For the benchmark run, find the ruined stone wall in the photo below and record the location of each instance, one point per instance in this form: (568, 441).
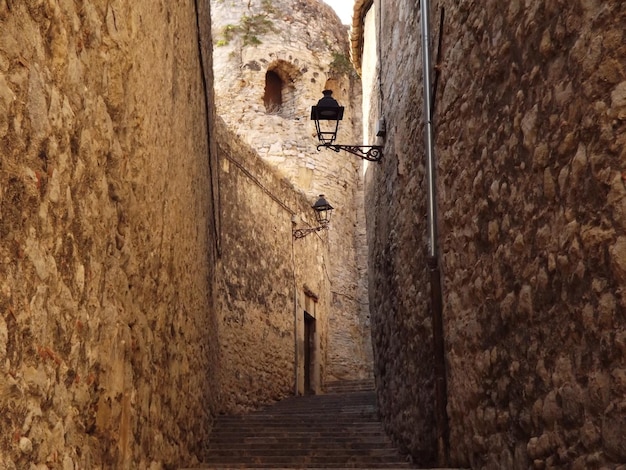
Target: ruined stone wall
(305, 44)
(107, 329)
(530, 126)
(264, 275)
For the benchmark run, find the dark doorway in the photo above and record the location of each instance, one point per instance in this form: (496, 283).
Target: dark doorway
(273, 98)
(309, 350)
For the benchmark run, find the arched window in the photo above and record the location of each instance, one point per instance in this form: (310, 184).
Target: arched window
(273, 98)
(281, 94)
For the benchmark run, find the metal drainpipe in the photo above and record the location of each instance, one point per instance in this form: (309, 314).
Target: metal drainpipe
(295, 315)
(433, 260)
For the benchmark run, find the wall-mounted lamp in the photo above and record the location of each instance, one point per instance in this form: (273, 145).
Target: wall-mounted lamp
(323, 211)
(327, 114)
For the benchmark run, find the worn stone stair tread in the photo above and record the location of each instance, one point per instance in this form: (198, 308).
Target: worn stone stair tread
(353, 409)
(295, 430)
(321, 461)
(361, 384)
(291, 467)
(338, 439)
(302, 426)
(286, 433)
(338, 418)
(295, 449)
(268, 437)
(320, 457)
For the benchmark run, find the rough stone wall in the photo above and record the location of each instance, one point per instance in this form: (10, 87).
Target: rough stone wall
(530, 126)
(107, 331)
(396, 229)
(263, 275)
(306, 45)
(534, 232)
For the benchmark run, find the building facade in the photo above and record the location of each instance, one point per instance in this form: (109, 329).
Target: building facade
(272, 60)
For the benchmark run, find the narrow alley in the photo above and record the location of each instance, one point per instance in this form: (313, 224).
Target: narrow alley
(174, 292)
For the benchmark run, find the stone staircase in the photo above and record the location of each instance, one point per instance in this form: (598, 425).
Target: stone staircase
(337, 430)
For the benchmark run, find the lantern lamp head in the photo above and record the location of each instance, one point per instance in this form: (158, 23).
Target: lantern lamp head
(323, 210)
(326, 114)
(327, 109)
(322, 215)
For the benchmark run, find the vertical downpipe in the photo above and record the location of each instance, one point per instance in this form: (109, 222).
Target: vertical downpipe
(433, 260)
(295, 316)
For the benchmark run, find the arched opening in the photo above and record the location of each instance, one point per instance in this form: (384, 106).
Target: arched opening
(273, 98)
(280, 95)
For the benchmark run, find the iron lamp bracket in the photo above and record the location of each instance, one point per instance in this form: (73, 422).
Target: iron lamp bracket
(372, 153)
(303, 232)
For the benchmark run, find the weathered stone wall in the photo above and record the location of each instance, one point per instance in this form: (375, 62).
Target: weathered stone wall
(396, 229)
(530, 126)
(107, 333)
(263, 277)
(534, 229)
(305, 44)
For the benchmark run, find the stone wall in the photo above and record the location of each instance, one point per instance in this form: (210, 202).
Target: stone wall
(530, 126)
(264, 276)
(108, 353)
(304, 43)
(396, 229)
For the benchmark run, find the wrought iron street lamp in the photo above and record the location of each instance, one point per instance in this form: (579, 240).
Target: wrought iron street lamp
(327, 114)
(323, 211)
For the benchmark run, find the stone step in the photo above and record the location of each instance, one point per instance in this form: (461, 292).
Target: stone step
(370, 449)
(342, 408)
(291, 415)
(300, 436)
(349, 386)
(336, 400)
(300, 423)
(306, 425)
(309, 466)
(315, 436)
(337, 428)
(269, 441)
(303, 453)
(290, 461)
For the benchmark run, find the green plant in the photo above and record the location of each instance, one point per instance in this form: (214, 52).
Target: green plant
(249, 27)
(341, 64)
(255, 25)
(268, 7)
(227, 33)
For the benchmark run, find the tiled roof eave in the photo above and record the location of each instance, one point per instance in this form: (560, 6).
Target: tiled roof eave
(361, 7)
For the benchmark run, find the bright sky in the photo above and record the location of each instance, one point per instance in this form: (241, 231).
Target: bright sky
(343, 9)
